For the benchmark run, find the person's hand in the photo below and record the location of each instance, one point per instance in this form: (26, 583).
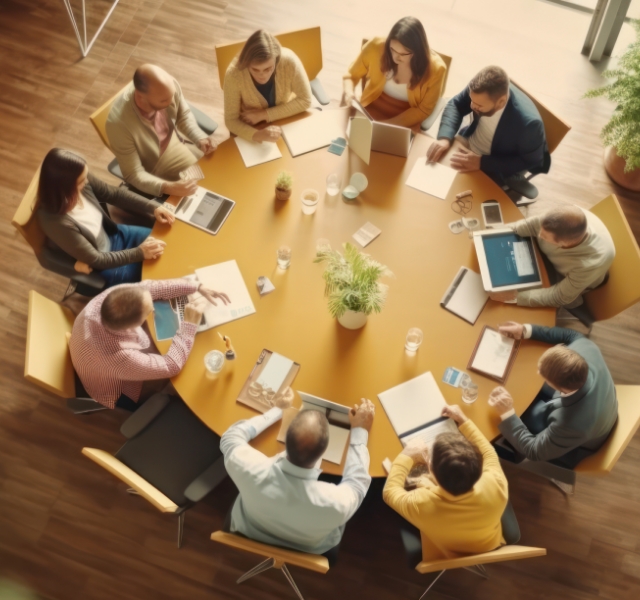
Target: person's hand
(512, 329)
(361, 415)
(82, 267)
(268, 134)
(152, 248)
(347, 98)
(417, 450)
(454, 412)
(284, 401)
(437, 150)
(207, 145)
(253, 117)
(501, 400)
(211, 295)
(508, 296)
(465, 161)
(163, 215)
(180, 188)
(193, 312)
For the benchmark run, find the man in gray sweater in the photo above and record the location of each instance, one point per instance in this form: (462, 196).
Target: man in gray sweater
(575, 410)
(578, 246)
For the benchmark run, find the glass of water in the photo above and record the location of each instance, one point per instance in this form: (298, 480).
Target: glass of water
(323, 245)
(414, 339)
(469, 391)
(334, 184)
(309, 201)
(213, 363)
(284, 257)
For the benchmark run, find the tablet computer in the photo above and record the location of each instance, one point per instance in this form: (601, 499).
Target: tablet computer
(204, 209)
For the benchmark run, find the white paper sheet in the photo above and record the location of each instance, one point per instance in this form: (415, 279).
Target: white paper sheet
(313, 132)
(493, 353)
(431, 178)
(366, 234)
(275, 372)
(338, 440)
(428, 435)
(468, 298)
(256, 153)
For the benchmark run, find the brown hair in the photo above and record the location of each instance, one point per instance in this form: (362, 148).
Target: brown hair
(456, 463)
(58, 185)
(563, 368)
(260, 47)
(566, 223)
(123, 308)
(411, 34)
(492, 81)
(307, 438)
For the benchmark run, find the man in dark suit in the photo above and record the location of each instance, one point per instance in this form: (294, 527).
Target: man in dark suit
(576, 409)
(505, 137)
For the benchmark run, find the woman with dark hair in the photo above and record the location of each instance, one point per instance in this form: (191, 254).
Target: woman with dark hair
(264, 83)
(404, 77)
(74, 222)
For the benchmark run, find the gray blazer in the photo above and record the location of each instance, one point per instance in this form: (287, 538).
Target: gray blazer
(577, 425)
(64, 234)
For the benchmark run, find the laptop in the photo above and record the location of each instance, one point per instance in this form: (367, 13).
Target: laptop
(507, 261)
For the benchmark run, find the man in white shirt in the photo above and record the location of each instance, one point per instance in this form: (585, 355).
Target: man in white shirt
(281, 502)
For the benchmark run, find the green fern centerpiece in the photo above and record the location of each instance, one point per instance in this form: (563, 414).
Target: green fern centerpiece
(623, 129)
(351, 281)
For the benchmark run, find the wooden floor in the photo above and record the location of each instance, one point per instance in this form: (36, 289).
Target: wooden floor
(67, 529)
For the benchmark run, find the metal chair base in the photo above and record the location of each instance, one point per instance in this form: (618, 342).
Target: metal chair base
(83, 406)
(270, 563)
(475, 569)
(563, 479)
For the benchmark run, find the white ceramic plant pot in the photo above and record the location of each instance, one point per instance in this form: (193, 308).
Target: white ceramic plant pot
(353, 320)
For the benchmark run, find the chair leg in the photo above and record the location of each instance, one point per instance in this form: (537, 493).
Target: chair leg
(70, 289)
(132, 492)
(291, 581)
(82, 406)
(180, 528)
(564, 479)
(263, 566)
(432, 584)
(478, 570)
(568, 489)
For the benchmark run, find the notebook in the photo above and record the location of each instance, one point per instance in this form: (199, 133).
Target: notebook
(257, 153)
(414, 409)
(494, 354)
(313, 132)
(465, 297)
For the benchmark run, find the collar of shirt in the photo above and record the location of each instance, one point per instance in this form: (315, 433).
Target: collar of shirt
(298, 472)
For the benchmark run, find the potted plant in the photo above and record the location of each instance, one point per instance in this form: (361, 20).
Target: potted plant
(621, 134)
(284, 181)
(351, 285)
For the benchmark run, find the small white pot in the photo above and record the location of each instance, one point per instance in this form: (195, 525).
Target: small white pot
(353, 320)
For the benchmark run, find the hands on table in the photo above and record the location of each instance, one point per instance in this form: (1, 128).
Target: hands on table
(361, 415)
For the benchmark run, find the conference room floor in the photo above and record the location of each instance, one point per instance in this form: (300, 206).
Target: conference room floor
(68, 529)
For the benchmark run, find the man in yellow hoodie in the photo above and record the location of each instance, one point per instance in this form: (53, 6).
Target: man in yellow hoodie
(459, 506)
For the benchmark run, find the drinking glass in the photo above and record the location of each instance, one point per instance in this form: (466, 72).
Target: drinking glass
(309, 201)
(414, 339)
(469, 391)
(334, 183)
(284, 257)
(323, 245)
(213, 363)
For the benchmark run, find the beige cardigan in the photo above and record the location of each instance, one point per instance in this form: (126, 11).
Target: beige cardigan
(293, 94)
(136, 144)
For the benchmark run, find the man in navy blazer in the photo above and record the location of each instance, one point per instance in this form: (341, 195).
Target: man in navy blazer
(505, 137)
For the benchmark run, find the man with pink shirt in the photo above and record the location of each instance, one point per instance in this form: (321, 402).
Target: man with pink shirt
(111, 349)
(154, 134)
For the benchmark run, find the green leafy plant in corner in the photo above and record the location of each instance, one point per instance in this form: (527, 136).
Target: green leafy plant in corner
(623, 129)
(284, 181)
(352, 281)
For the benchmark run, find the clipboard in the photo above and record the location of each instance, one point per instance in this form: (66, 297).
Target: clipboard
(488, 352)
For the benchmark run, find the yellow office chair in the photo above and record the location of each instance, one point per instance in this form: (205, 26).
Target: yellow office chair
(474, 562)
(25, 221)
(306, 43)
(47, 360)
(276, 558)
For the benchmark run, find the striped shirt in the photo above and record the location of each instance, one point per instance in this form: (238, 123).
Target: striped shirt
(111, 363)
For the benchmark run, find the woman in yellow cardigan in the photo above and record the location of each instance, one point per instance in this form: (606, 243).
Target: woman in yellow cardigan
(265, 82)
(404, 77)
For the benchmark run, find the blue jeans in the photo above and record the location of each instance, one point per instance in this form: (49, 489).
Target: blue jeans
(127, 237)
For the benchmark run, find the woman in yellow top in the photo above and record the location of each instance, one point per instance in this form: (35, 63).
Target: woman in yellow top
(404, 78)
(265, 82)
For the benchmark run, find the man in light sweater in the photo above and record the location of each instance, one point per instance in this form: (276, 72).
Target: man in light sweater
(578, 246)
(146, 128)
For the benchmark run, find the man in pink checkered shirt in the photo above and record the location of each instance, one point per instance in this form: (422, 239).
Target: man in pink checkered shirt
(114, 354)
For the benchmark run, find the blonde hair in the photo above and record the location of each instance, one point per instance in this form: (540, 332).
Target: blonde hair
(259, 48)
(563, 368)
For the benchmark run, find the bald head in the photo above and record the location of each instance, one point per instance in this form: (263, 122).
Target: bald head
(567, 224)
(307, 438)
(154, 86)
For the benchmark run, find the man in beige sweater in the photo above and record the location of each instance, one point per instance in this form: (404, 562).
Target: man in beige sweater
(580, 248)
(146, 128)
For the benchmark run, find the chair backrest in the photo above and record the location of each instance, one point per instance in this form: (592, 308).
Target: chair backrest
(554, 127)
(603, 461)
(132, 479)
(47, 359)
(23, 219)
(623, 288)
(501, 554)
(312, 562)
(100, 116)
(306, 43)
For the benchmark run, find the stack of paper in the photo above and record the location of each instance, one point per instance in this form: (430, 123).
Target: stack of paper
(431, 178)
(256, 153)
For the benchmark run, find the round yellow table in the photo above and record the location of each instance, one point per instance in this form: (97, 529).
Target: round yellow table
(339, 364)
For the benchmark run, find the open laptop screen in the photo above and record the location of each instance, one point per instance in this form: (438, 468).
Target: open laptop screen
(511, 259)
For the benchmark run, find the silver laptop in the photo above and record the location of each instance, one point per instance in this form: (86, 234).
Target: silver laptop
(387, 138)
(336, 414)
